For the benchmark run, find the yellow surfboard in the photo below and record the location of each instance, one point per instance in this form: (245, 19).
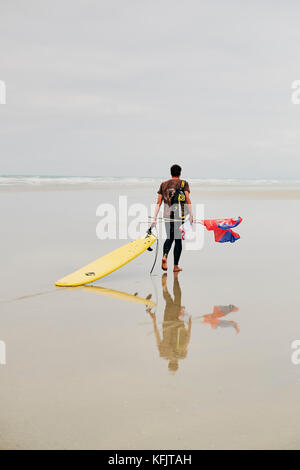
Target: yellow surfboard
(116, 294)
(107, 263)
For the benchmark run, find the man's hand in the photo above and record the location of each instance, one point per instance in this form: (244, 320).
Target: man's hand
(189, 206)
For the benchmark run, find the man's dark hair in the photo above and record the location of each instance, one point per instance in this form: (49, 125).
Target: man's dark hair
(175, 170)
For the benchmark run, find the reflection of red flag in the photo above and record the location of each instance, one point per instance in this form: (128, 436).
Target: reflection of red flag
(222, 229)
(219, 311)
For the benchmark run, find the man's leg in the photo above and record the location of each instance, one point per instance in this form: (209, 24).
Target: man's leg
(168, 243)
(177, 248)
(177, 253)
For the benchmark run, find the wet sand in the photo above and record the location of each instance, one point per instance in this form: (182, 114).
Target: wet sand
(86, 370)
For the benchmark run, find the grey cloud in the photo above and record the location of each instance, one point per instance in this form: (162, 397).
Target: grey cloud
(97, 87)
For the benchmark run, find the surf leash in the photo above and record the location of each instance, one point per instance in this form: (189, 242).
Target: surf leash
(149, 232)
(155, 256)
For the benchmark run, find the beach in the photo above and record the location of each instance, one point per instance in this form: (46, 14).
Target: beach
(85, 368)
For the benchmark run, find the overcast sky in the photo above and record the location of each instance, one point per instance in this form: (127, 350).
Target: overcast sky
(128, 87)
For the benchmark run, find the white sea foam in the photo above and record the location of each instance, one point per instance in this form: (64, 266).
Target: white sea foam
(98, 181)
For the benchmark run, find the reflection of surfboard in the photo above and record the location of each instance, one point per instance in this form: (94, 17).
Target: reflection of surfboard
(121, 295)
(107, 263)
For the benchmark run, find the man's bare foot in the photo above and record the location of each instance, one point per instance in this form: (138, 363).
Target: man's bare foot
(164, 264)
(176, 268)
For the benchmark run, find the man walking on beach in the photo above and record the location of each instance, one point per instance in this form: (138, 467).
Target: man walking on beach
(176, 194)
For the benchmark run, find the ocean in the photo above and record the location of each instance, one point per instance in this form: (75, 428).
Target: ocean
(92, 182)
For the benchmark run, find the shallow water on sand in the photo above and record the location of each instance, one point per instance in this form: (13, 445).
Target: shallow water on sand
(87, 370)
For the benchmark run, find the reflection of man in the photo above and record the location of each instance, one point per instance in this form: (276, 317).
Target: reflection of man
(214, 319)
(174, 343)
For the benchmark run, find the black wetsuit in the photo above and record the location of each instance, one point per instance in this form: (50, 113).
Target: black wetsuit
(173, 234)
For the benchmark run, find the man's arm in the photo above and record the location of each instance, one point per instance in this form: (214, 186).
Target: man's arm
(189, 205)
(157, 207)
